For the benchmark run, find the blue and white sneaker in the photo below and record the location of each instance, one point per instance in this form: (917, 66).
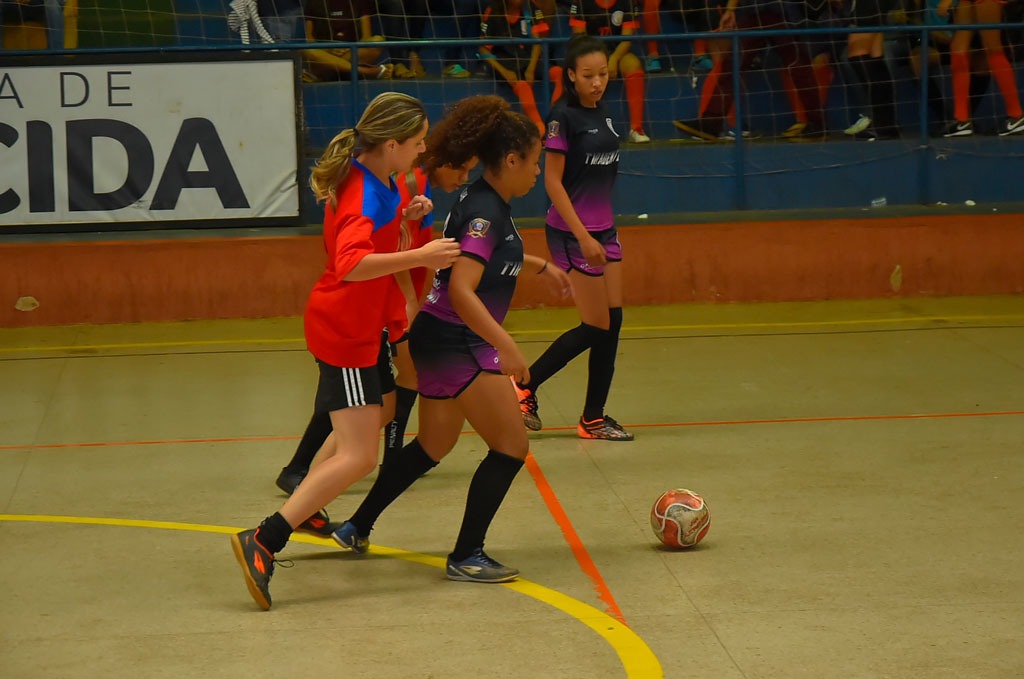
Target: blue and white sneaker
(347, 536)
(652, 64)
(479, 567)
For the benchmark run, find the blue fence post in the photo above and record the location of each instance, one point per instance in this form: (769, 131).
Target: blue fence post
(738, 147)
(924, 160)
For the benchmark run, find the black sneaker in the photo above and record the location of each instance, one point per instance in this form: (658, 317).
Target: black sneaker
(865, 135)
(958, 129)
(1012, 126)
(319, 525)
(289, 479)
(257, 565)
(604, 428)
(730, 134)
(701, 128)
(478, 567)
(528, 406)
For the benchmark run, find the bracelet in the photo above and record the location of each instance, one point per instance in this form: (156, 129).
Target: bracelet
(543, 268)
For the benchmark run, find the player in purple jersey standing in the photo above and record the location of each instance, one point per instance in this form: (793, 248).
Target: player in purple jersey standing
(461, 351)
(580, 167)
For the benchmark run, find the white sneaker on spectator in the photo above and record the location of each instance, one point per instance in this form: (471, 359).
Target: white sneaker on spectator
(638, 137)
(862, 123)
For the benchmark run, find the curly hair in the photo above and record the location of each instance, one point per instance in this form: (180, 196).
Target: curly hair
(482, 126)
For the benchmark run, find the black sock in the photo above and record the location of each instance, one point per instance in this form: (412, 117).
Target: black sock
(394, 432)
(317, 431)
(571, 344)
(274, 532)
(936, 102)
(978, 90)
(395, 476)
(602, 367)
(880, 93)
(487, 490)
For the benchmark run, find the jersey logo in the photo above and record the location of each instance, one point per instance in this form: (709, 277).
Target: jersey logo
(553, 129)
(478, 227)
(608, 121)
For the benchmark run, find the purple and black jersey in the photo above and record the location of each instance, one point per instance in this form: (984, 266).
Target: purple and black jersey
(481, 223)
(590, 144)
(603, 17)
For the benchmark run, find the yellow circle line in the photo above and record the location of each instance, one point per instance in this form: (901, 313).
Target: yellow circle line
(636, 657)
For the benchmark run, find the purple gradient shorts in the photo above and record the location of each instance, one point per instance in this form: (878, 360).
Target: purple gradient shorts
(448, 357)
(567, 255)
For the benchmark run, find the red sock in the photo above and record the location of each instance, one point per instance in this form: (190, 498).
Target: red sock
(824, 74)
(635, 99)
(556, 77)
(794, 99)
(710, 83)
(960, 65)
(652, 24)
(700, 47)
(1005, 78)
(524, 91)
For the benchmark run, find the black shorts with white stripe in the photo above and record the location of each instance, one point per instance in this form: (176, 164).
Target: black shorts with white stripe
(341, 388)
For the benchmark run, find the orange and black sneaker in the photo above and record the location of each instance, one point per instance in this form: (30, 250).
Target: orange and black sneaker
(319, 525)
(257, 565)
(604, 428)
(528, 405)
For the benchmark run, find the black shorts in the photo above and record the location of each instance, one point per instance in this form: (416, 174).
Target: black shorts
(447, 357)
(341, 388)
(871, 12)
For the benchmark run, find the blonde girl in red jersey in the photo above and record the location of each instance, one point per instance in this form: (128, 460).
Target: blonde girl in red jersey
(348, 307)
(966, 12)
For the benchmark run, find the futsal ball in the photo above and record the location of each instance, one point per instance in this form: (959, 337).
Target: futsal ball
(680, 518)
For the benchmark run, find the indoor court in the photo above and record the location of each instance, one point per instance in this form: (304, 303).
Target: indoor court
(861, 460)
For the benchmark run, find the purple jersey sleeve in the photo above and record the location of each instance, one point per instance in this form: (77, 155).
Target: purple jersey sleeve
(557, 138)
(479, 240)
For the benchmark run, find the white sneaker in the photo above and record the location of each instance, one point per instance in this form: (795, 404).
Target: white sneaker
(638, 137)
(863, 122)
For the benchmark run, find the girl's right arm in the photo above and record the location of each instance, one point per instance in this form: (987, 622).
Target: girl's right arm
(554, 170)
(437, 254)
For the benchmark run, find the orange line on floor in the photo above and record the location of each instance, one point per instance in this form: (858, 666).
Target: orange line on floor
(632, 425)
(586, 563)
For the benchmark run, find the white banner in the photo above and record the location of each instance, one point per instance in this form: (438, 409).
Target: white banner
(148, 142)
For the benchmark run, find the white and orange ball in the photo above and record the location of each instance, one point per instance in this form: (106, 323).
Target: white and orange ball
(680, 518)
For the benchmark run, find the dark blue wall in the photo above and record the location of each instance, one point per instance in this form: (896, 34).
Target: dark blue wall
(673, 175)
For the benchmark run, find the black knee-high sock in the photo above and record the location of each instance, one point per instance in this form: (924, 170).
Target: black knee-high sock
(274, 532)
(394, 433)
(317, 431)
(487, 490)
(880, 92)
(936, 102)
(396, 475)
(602, 367)
(571, 344)
(875, 75)
(978, 90)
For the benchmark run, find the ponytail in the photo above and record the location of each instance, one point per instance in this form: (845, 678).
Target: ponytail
(333, 167)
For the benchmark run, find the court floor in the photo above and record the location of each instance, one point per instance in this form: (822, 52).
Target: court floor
(863, 462)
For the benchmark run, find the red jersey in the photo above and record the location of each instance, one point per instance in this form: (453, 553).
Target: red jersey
(344, 319)
(421, 230)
